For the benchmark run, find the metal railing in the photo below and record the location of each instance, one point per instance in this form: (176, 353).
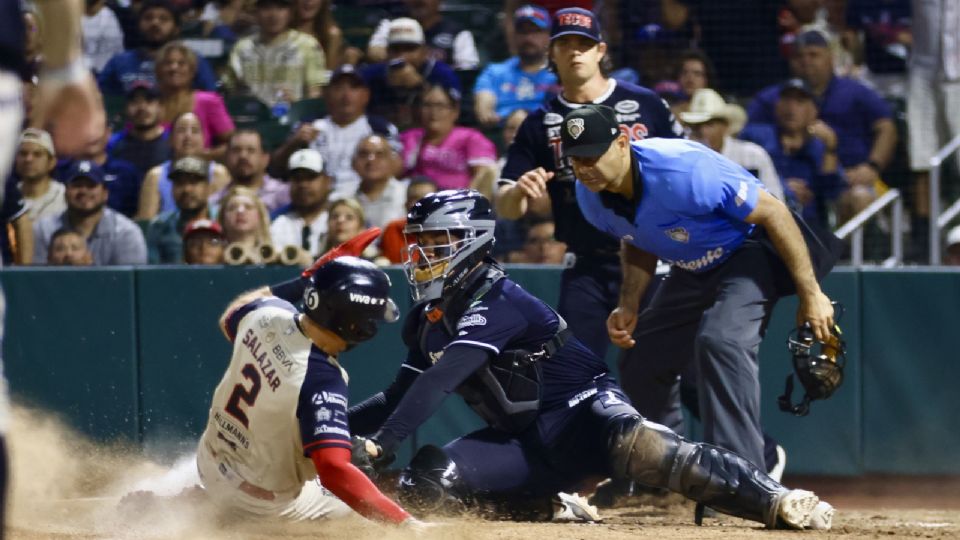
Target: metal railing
(937, 220)
(854, 228)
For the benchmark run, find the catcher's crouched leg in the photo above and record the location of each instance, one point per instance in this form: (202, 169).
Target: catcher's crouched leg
(652, 454)
(432, 483)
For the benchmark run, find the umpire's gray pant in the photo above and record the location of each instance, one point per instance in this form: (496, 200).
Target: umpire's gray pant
(716, 319)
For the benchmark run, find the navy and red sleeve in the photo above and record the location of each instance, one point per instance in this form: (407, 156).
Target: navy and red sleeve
(322, 407)
(351, 486)
(237, 315)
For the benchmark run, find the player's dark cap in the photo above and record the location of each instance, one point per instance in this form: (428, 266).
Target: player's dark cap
(532, 14)
(348, 72)
(190, 167)
(588, 131)
(575, 21)
(144, 88)
(797, 87)
(85, 169)
(812, 38)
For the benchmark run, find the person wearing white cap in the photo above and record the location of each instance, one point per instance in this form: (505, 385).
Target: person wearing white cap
(446, 39)
(305, 223)
(713, 122)
(33, 165)
(952, 251)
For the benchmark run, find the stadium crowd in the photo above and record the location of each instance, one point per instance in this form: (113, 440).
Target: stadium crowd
(265, 131)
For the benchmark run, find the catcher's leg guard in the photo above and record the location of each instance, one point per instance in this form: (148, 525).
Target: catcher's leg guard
(432, 482)
(652, 454)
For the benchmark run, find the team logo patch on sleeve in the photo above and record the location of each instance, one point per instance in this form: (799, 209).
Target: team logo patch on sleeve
(742, 193)
(575, 127)
(678, 234)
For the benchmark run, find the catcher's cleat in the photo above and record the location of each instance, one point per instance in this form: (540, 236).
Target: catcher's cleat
(796, 508)
(574, 507)
(822, 517)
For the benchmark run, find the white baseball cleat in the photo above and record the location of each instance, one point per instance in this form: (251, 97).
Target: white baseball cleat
(796, 508)
(821, 518)
(573, 507)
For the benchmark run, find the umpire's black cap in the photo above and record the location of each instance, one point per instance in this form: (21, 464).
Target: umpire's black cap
(588, 131)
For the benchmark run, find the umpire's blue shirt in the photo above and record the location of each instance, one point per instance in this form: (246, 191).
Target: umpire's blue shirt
(692, 207)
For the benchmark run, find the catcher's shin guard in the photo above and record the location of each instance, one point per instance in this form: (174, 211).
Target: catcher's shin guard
(652, 454)
(432, 483)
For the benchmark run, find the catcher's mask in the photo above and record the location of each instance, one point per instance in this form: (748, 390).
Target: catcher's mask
(818, 365)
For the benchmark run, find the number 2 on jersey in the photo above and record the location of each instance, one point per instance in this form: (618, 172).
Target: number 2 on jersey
(240, 393)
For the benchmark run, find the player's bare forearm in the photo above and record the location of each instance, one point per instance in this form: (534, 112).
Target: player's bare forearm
(774, 216)
(511, 202)
(61, 33)
(638, 269)
(240, 301)
(884, 142)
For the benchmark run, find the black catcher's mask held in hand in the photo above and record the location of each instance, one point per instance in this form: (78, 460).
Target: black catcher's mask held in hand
(818, 365)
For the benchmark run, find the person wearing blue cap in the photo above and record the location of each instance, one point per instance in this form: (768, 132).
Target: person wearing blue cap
(112, 238)
(523, 81)
(535, 169)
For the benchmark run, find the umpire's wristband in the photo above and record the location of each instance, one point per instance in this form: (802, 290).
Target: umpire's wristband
(292, 290)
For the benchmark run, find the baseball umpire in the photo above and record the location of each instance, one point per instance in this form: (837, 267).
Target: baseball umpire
(590, 284)
(733, 249)
(555, 415)
(278, 420)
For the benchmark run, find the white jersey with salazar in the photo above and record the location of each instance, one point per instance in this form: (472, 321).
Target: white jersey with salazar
(254, 440)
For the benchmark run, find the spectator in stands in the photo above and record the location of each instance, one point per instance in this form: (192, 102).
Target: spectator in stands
(176, 65)
(144, 142)
(315, 18)
(879, 36)
(540, 245)
(33, 165)
(713, 122)
(158, 24)
(523, 81)
(278, 64)
(346, 220)
(381, 195)
(102, 36)
(336, 135)
(804, 151)
(861, 118)
(123, 179)
(933, 102)
(952, 251)
(226, 20)
(447, 41)
(68, 248)
(34, 40)
(186, 139)
(396, 83)
(694, 71)
(304, 224)
(191, 189)
(203, 242)
(112, 238)
(455, 157)
(244, 218)
(393, 243)
(247, 162)
(15, 248)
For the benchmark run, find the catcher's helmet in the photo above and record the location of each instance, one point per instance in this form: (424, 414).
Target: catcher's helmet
(467, 219)
(818, 364)
(349, 296)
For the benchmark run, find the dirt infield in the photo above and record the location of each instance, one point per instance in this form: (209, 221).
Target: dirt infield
(64, 488)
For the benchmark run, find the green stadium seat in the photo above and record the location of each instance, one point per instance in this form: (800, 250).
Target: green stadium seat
(272, 132)
(357, 23)
(115, 107)
(306, 110)
(247, 110)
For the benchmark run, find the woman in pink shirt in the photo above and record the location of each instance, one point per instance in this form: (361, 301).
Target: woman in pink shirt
(176, 66)
(454, 157)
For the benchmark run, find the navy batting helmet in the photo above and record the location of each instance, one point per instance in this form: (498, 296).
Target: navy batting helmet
(467, 219)
(349, 296)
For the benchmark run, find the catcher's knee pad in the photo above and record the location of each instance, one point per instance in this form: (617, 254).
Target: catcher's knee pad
(725, 482)
(641, 450)
(432, 482)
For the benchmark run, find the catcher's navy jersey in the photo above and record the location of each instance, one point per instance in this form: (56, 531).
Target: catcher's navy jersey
(505, 318)
(641, 114)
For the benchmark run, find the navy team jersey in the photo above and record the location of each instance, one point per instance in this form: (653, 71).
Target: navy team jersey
(692, 205)
(322, 406)
(12, 34)
(508, 317)
(641, 113)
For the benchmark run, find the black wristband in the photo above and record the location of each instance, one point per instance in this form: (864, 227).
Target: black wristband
(291, 291)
